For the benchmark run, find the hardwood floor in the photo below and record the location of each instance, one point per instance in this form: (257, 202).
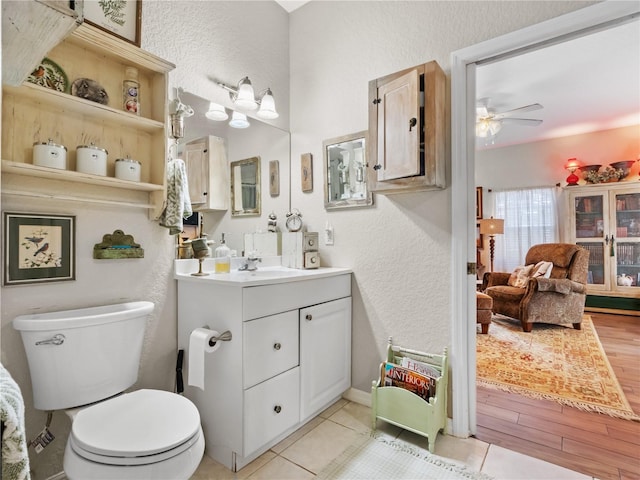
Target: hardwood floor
(594, 444)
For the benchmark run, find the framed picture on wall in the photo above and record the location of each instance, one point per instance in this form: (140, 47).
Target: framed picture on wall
(306, 171)
(121, 19)
(274, 178)
(38, 248)
(478, 203)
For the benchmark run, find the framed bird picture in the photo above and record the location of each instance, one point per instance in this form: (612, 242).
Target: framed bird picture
(38, 248)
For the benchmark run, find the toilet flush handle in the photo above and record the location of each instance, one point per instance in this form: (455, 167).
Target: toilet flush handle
(57, 339)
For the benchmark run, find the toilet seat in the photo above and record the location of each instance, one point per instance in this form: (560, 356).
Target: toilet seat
(138, 428)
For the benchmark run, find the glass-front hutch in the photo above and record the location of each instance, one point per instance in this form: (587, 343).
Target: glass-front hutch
(605, 219)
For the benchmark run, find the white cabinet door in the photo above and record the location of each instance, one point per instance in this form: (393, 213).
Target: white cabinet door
(207, 172)
(325, 354)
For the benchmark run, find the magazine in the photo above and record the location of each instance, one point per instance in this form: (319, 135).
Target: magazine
(397, 376)
(421, 367)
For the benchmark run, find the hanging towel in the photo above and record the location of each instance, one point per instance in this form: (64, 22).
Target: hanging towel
(178, 203)
(15, 456)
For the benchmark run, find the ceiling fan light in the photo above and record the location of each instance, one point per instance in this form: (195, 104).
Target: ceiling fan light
(494, 127)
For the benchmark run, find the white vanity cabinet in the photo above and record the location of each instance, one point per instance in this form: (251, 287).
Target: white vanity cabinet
(288, 359)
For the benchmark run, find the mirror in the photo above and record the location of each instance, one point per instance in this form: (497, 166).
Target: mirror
(260, 140)
(245, 187)
(345, 178)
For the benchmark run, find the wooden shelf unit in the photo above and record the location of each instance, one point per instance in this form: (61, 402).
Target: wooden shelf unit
(33, 114)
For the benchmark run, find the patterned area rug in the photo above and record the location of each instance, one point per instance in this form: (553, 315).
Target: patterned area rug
(552, 362)
(379, 458)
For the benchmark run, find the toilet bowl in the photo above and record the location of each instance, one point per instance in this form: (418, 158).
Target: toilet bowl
(82, 361)
(154, 434)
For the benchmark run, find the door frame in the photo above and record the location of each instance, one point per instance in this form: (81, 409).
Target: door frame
(463, 62)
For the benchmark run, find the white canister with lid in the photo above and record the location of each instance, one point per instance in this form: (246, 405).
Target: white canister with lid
(91, 159)
(50, 155)
(128, 169)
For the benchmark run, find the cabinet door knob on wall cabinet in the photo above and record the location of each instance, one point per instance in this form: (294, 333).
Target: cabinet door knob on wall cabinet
(277, 346)
(308, 317)
(277, 409)
(412, 123)
(377, 167)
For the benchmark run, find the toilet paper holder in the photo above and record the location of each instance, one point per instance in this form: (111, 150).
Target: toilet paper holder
(223, 337)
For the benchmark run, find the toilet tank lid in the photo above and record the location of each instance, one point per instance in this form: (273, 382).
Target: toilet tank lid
(82, 317)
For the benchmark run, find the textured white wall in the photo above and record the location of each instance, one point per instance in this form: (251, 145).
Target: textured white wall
(399, 249)
(326, 52)
(226, 40)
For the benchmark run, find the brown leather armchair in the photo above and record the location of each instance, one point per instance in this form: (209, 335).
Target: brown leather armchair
(559, 299)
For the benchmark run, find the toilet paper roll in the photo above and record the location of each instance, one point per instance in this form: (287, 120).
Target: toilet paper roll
(198, 347)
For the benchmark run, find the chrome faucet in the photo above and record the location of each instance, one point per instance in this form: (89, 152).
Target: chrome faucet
(251, 264)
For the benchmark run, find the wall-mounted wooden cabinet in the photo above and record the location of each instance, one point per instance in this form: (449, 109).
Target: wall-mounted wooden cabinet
(407, 131)
(32, 114)
(208, 173)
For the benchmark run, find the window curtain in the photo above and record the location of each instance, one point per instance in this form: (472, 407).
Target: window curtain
(530, 217)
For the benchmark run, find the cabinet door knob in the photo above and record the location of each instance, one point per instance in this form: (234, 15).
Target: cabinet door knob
(308, 317)
(277, 346)
(412, 123)
(277, 409)
(377, 167)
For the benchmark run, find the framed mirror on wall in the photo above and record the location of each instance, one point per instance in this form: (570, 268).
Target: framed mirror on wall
(245, 187)
(345, 177)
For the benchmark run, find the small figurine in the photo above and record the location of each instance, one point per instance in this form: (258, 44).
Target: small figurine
(272, 225)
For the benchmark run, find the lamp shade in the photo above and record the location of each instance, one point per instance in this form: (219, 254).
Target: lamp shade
(239, 120)
(267, 106)
(245, 98)
(492, 226)
(216, 112)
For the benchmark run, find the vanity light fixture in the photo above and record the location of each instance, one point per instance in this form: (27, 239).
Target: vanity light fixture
(244, 98)
(239, 120)
(216, 112)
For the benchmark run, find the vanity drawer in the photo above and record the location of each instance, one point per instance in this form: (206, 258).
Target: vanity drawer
(271, 346)
(270, 409)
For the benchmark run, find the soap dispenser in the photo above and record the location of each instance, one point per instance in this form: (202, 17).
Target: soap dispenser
(223, 257)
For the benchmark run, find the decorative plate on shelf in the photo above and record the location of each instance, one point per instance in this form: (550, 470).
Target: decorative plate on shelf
(49, 75)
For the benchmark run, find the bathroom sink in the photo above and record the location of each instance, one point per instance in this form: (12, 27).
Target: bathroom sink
(264, 275)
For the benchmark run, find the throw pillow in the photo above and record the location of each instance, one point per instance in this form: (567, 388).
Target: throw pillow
(520, 276)
(542, 269)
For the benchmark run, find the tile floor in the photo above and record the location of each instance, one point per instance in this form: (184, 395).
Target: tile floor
(308, 450)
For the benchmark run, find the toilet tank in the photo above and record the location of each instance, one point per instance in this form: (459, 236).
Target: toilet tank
(82, 356)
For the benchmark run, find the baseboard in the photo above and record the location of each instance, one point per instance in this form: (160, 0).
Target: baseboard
(58, 476)
(364, 398)
(358, 396)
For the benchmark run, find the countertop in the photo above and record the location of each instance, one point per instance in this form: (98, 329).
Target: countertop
(269, 272)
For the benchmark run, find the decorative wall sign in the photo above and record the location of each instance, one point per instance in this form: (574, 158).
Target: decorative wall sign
(274, 178)
(306, 172)
(38, 248)
(117, 245)
(121, 18)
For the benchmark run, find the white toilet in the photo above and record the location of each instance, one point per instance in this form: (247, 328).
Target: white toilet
(80, 357)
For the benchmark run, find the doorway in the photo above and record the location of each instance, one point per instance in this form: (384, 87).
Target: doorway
(463, 70)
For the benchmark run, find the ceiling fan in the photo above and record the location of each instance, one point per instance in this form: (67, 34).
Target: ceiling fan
(489, 122)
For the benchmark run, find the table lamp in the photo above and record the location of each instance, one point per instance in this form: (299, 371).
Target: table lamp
(492, 226)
